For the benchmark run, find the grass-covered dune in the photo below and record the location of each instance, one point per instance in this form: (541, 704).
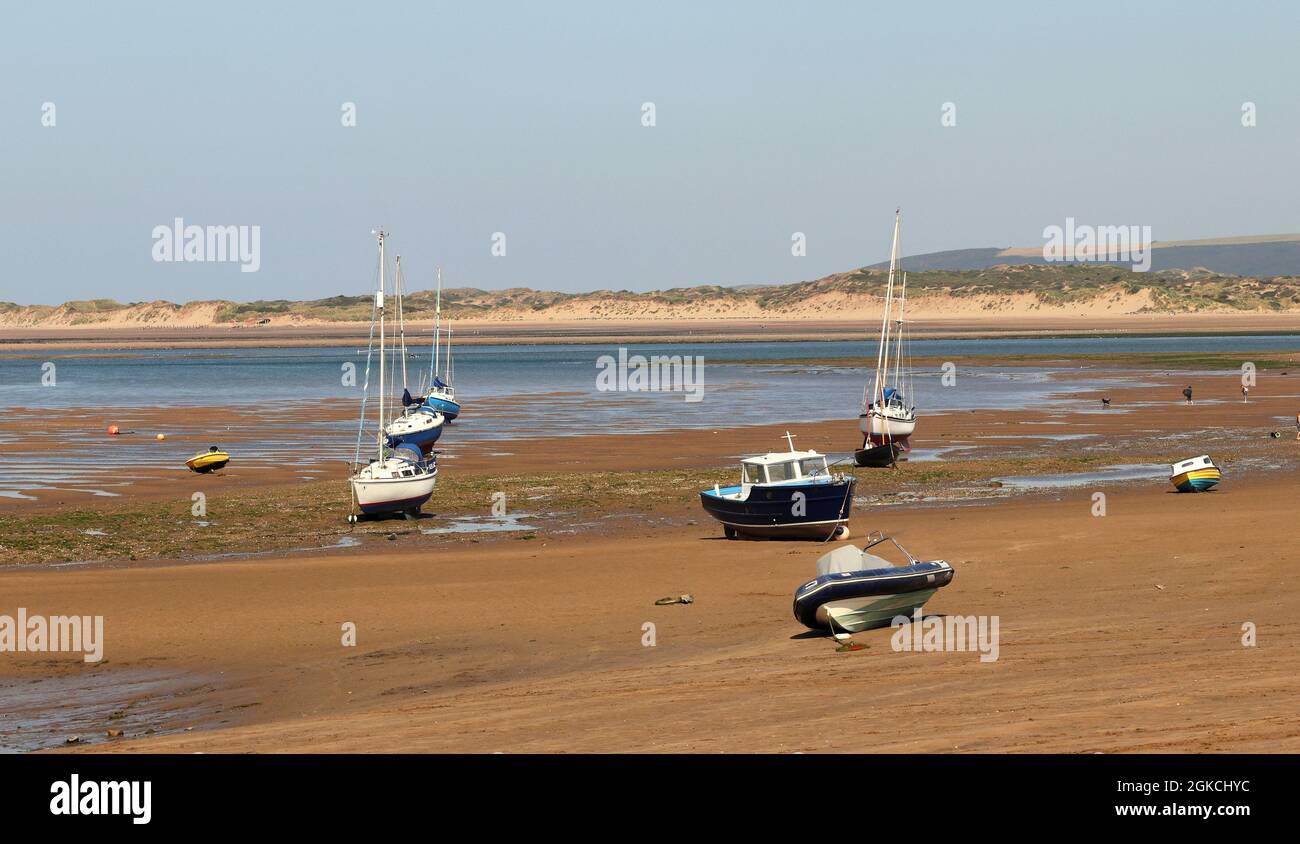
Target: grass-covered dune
(1078, 290)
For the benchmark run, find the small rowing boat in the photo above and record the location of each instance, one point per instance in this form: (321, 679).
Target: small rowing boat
(1195, 475)
(208, 461)
(877, 456)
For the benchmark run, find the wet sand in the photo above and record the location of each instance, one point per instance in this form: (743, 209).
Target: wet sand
(158, 472)
(1118, 633)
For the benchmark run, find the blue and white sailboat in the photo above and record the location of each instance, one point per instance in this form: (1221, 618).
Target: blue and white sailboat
(441, 396)
(399, 479)
(418, 425)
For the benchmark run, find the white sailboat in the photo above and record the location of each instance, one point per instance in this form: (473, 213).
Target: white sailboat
(888, 414)
(398, 480)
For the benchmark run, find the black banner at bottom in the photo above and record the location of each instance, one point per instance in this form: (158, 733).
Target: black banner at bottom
(967, 793)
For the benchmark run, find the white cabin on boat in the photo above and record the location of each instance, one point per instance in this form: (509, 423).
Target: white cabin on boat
(782, 467)
(1202, 462)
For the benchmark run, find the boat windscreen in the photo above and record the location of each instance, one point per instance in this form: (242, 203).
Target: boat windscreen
(777, 472)
(871, 561)
(813, 466)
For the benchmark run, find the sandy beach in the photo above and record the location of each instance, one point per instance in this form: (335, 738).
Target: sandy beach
(999, 323)
(1118, 633)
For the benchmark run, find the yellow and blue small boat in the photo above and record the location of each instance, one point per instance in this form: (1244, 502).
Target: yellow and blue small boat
(1195, 475)
(208, 461)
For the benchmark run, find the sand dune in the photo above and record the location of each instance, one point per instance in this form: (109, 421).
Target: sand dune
(999, 294)
(1006, 293)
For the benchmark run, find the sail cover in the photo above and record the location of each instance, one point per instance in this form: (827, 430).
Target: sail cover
(409, 452)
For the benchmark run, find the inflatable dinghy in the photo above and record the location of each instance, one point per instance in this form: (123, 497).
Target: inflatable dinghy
(857, 590)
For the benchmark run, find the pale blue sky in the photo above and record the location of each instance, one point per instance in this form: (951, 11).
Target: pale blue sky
(525, 118)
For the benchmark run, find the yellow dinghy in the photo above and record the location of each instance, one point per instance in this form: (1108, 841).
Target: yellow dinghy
(208, 461)
(1195, 475)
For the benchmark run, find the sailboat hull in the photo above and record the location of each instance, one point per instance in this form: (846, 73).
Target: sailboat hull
(878, 425)
(446, 407)
(393, 495)
(419, 429)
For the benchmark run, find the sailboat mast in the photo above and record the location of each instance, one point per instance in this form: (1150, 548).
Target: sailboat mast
(437, 331)
(399, 291)
(898, 354)
(447, 365)
(379, 305)
(882, 356)
(401, 318)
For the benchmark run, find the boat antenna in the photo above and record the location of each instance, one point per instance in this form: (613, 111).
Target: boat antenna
(789, 437)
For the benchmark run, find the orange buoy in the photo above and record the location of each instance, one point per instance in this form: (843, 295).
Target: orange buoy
(162, 436)
(113, 430)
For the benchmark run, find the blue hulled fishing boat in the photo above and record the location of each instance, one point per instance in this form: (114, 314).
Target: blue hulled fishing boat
(790, 495)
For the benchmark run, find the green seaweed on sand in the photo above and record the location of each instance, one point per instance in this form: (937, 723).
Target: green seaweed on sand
(312, 516)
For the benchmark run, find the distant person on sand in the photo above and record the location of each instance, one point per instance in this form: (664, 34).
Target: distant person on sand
(1297, 426)
(1245, 392)
(1187, 393)
(1105, 402)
